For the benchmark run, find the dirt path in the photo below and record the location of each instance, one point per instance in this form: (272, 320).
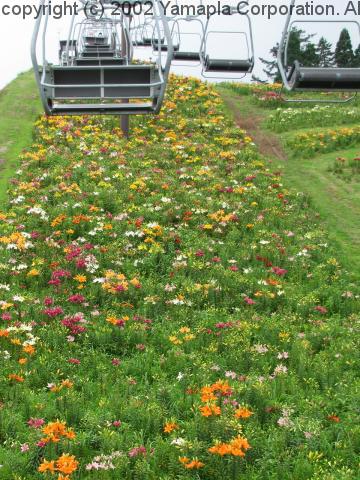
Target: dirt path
(267, 143)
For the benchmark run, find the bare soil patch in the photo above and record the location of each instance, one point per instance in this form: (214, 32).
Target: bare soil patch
(267, 143)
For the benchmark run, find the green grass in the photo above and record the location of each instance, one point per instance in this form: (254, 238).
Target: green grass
(336, 200)
(19, 106)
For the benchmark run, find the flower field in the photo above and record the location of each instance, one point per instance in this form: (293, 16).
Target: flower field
(346, 168)
(170, 309)
(308, 144)
(285, 119)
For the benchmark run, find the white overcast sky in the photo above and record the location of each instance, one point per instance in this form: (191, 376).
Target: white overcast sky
(16, 34)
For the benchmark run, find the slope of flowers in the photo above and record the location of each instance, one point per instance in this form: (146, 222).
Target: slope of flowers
(168, 309)
(285, 119)
(307, 144)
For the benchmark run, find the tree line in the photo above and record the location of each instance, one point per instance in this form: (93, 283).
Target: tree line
(309, 54)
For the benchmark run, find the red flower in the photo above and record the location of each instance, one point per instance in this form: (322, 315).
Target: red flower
(321, 309)
(36, 422)
(74, 361)
(77, 298)
(249, 301)
(279, 271)
(80, 263)
(53, 312)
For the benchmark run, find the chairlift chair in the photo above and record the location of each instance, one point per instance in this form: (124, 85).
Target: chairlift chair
(160, 42)
(299, 78)
(108, 54)
(67, 51)
(83, 89)
(96, 41)
(221, 66)
(190, 57)
(96, 38)
(136, 28)
(146, 32)
(86, 62)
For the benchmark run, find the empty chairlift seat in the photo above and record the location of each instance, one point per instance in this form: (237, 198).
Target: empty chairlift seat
(147, 42)
(99, 83)
(298, 78)
(90, 40)
(64, 43)
(97, 53)
(67, 47)
(99, 61)
(319, 79)
(187, 56)
(91, 48)
(164, 48)
(224, 65)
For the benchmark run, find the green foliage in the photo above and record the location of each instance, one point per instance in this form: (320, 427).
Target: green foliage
(357, 57)
(16, 130)
(325, 55)
(344, 55)
(309, 56)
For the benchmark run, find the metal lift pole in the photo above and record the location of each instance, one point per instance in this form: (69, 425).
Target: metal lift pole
(124, 119)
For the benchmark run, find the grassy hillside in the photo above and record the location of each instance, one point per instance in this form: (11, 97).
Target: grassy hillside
(307, 141)
(19, 106)
(170, 309)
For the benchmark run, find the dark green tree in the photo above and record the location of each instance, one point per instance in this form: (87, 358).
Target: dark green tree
(294, 46)
(357, 57)
(325, 53)
(270, 66)
(344, 55)
(297, 42)
(309, 56)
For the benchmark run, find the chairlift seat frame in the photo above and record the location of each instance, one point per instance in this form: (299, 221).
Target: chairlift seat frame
(98, 54)
(98, 61)
(186, 56)
(192, 58)
(71, 83)
(317, 79)
(216, 65)
(223, 65)
(96, 41)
